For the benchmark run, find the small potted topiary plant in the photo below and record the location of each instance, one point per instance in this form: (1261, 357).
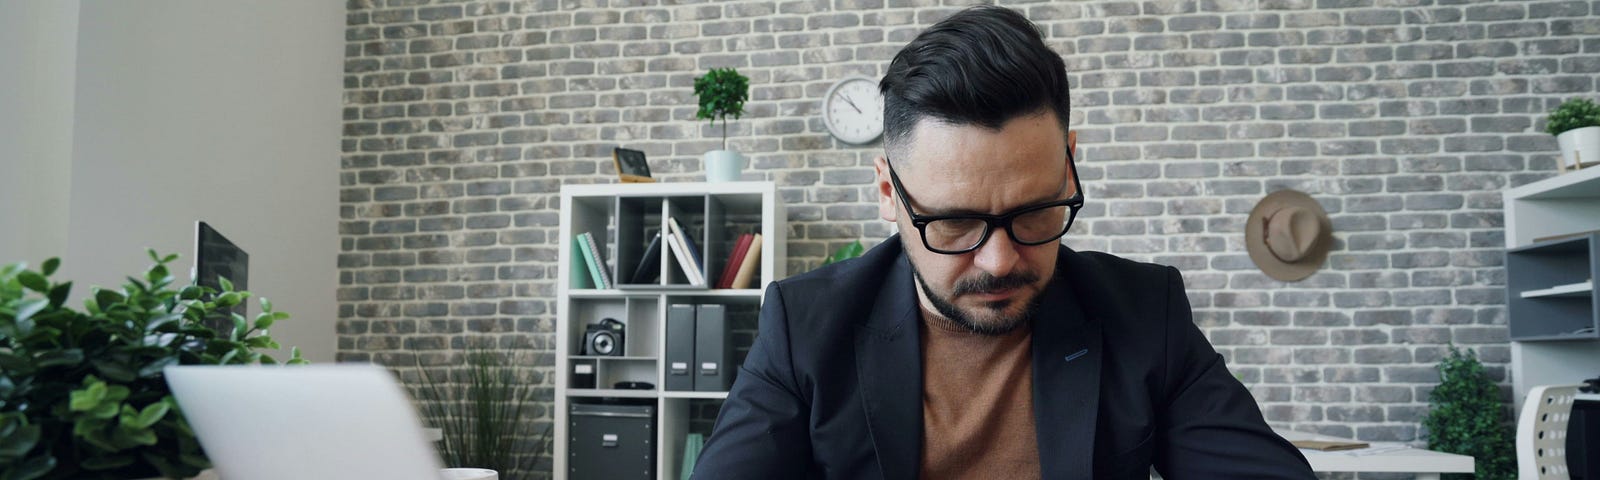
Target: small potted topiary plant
(1576, 125)
(82, 394)
(1466, 417)
(722, 92)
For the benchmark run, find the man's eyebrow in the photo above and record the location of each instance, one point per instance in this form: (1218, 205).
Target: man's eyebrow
(940, 212)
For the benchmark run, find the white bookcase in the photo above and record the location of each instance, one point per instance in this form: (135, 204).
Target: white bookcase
(1550, 285)
(622, 218)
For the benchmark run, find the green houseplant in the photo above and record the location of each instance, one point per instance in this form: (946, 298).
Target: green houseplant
(848, 251)
(484, 415)
(1576, 125)
(1465, 416)
(82, 394)
(722, 93)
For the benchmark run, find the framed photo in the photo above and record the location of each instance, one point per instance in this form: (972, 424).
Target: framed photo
(631, 165)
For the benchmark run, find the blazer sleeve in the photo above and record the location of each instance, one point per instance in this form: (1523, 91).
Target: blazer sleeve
(1210, 426)
(762, 430)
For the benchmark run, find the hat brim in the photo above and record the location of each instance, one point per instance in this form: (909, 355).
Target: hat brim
(1255, 238)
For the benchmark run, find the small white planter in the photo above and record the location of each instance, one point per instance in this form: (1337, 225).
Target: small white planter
(1580, 147)
(207, 474)
(723, 166)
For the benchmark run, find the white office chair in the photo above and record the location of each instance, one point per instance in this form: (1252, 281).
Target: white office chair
(1542, 432)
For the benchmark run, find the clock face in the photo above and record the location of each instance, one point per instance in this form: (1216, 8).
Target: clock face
(853, 110)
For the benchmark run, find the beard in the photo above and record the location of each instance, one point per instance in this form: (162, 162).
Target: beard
(990, 318)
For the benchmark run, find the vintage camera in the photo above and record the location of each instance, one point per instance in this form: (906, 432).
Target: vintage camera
(604, 338)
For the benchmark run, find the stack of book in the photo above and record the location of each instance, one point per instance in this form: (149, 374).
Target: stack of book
(686, 251)
(741, 267)
(740, 270)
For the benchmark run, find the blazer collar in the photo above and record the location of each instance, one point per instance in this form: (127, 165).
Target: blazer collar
(1066, 381)
(888, 352)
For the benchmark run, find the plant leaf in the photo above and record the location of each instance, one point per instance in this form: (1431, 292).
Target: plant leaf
(228, 299)
(85, 399)
(114, 371)
(35, 467)
(12, 363)
(266, 305)
(154, 368)
(264, 321)
(154, 257)
(19, 442)
(227, 286)
(29, 308)
(57, 358)
(107, 463)
(152, 413)
(157, 274)
(58, 295)
(33, 281)
(49, 266)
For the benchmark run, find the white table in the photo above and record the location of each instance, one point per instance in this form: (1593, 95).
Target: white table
(1381, 457)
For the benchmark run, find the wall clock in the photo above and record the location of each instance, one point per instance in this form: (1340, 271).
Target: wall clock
(853, 110)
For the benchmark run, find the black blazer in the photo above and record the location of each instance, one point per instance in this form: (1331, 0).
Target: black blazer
(1122, 380)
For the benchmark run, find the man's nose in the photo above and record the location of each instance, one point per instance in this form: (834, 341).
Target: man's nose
(998, 255)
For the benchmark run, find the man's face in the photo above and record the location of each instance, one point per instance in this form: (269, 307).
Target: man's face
(953, 169)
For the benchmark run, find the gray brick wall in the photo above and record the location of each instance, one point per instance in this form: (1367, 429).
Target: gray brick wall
(1406, 118)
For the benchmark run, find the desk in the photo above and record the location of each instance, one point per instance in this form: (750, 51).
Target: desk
(1381, 457)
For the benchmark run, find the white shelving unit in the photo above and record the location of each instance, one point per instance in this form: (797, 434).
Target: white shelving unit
(1550, 290)
(621, 218)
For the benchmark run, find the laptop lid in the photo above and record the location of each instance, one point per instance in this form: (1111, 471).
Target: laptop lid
(310, 421)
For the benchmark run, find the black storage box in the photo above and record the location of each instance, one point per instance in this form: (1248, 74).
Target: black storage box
(1583, 441)
(611, 442)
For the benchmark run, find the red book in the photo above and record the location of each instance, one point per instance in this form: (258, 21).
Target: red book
(732, 268)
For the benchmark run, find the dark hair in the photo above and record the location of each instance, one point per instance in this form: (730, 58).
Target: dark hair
(982, 66)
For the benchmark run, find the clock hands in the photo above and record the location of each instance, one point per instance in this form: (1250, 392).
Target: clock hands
(852, 104)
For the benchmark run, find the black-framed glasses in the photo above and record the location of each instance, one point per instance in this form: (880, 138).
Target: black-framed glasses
(1036, 224)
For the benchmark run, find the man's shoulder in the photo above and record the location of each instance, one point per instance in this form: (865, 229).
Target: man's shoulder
(1100, 268)
(859, 278)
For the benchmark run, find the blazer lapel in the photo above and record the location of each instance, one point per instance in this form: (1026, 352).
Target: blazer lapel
(888, 355)
(1066, 384)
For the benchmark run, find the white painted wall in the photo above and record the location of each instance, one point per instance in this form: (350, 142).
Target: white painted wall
(227, 112)
(36, 91)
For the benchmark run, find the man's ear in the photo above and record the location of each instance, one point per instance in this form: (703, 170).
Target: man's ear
(1072, 142)
(885, 188)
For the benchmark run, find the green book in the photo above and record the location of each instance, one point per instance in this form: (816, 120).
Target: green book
(692, 445)
(579, 277)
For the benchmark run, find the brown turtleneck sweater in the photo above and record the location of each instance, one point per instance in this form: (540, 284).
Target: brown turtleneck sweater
(977, 404)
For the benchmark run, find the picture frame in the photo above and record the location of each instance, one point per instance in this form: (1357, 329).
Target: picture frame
(631, 165)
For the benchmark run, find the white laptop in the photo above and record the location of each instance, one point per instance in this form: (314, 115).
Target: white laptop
(331, 422)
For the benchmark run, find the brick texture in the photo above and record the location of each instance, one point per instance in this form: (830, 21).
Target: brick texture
(1405, 119)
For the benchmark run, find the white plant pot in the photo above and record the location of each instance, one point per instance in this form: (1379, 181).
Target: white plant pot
(1580, 147)
(207, 474)
(723, 166)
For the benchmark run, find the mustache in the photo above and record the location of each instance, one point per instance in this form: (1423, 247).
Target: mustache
(986, 283)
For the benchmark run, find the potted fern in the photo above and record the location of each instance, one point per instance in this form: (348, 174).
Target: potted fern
(722, 92)
(82, 395)
(1576, 125)
(1466, 417)
(484, 411)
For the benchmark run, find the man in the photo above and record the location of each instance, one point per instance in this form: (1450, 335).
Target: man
(972, 344)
